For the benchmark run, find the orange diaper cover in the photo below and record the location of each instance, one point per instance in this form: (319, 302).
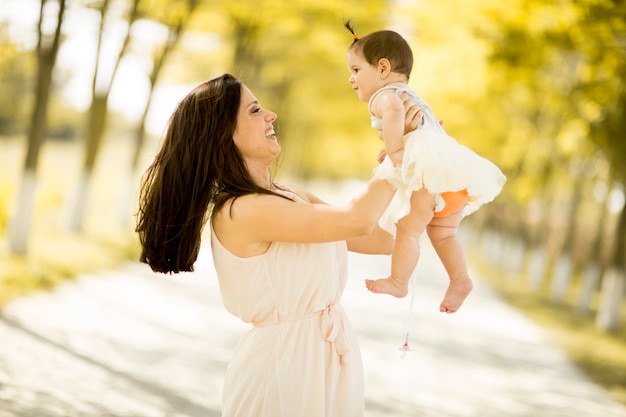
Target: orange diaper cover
(452, 202)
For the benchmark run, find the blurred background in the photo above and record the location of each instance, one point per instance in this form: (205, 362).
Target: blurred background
(536, 86)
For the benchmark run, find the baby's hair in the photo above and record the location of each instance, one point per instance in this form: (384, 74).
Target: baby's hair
(383, 44)
(348, 26)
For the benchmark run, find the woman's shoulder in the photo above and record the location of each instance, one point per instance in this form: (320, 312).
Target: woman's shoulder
(295, 192)
(248, 205)
(240, 222)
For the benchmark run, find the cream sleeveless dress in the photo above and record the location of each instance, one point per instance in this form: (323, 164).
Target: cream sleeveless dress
(437, 162)
(301, 357)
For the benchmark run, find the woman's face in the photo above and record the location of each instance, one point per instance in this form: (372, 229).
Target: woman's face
(254, 134)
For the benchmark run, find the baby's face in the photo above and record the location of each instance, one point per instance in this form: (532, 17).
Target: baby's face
(364, 77)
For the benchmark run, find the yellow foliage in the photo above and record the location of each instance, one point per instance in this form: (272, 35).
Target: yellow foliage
(571, 137)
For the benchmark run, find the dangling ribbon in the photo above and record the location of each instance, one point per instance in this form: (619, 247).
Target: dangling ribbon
(412, 289)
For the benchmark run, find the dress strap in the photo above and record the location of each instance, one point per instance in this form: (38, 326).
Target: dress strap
(377, 92)
(380, 90)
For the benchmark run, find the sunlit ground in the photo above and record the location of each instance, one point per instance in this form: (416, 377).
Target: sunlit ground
(600, 354)
(129, 342)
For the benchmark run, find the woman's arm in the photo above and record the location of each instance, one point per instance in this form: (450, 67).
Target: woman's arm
(377, 243)
(381, 242)
(249, 224)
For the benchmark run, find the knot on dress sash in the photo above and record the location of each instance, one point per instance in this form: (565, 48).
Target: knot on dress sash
(333, 329)
(332, 325)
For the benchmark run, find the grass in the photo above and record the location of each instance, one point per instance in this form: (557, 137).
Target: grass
(53, 259)
(600, 355)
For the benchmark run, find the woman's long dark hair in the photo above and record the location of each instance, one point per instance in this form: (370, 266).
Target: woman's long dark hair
(198, 164)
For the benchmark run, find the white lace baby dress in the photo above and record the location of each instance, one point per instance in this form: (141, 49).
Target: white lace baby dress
(437, 162)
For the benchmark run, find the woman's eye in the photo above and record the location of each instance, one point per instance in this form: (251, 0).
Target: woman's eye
(257, 110)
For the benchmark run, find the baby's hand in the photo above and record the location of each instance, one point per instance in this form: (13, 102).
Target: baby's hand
(381, 155)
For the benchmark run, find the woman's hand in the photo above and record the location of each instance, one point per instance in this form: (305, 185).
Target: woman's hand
(413, 118)
(413, 115)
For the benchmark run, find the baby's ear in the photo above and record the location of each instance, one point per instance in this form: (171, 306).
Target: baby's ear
(384, 67)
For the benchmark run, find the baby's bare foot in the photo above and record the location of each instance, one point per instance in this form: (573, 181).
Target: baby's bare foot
(387, 286)
(456, 293)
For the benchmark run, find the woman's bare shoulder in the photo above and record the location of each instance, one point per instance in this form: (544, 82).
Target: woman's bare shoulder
(303, 193)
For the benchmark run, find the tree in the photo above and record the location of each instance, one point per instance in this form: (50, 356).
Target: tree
(570, 57)
(47, 49)
(292, 55)
(16, 70)
(175, 16)
(98, 111)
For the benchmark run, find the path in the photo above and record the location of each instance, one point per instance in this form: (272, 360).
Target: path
(129, 343)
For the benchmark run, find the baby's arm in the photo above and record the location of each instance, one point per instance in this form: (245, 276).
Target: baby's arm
(391, 110)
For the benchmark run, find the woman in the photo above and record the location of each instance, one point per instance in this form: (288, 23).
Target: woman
(280, 253)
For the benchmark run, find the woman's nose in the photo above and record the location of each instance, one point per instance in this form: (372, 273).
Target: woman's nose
(271, 116)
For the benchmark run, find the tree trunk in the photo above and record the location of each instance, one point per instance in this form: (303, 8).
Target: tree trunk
(562, 275)
(591, 280)
(174, 36)
(19, 230)
(597, 262)
(47, 51)
(613, 284)
(514, 255)
(97, 121)
(609, 316)
(98, 113)
(539, 258)
(537, 269)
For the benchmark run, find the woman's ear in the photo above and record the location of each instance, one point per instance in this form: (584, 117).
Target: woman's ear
(384, 67)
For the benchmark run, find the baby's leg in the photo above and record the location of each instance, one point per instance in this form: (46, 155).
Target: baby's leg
(442, 233)
(406, 250)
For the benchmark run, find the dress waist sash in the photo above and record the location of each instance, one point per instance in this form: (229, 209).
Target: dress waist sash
(332, 325)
